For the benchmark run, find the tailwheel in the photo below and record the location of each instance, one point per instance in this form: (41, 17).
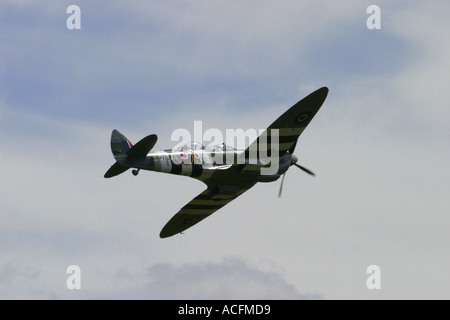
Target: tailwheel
(135, 172)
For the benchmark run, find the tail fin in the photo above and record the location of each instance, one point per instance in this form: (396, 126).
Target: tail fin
(120, 145)
(122, 149)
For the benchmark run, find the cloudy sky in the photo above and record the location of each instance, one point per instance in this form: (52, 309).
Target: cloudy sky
(379, 147)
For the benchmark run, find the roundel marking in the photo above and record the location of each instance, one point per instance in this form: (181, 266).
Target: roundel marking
(302, 117)
(191, 220)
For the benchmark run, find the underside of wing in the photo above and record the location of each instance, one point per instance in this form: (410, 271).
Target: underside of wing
(202, 206)
(288, 127)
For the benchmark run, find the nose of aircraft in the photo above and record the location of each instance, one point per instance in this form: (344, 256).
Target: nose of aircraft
(294, 159)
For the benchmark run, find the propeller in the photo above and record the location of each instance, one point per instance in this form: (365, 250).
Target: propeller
(304, 169)
(294, 160)
(281, 186)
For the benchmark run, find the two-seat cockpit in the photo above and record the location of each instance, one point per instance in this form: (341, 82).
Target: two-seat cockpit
(193, 146)
(198, 153)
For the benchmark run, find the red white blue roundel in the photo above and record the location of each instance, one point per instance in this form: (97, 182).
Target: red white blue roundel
(186, 158)
(302, 117)
(182, 157)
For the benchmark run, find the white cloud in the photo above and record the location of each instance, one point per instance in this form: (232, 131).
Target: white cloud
(232, 278)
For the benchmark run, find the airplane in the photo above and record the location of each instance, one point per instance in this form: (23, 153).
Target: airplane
(225, 180)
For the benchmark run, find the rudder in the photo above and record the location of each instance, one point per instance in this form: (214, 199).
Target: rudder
(120, 145)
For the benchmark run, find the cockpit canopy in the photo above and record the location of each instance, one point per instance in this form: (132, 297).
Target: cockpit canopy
(222, 147)
(193, 146)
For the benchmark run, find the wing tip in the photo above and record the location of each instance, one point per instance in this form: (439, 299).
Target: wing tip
(165, 234)
(323, 91)
(317, 97)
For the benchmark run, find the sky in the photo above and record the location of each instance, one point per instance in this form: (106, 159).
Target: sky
(379, 147)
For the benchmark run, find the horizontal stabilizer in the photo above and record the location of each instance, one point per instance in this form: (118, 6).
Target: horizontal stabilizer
(115, 170)
(143, 147)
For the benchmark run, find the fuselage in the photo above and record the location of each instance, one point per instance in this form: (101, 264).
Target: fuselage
(201, 164)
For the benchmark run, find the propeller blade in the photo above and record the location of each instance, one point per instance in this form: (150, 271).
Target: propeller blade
(281, 186)
(304, 169)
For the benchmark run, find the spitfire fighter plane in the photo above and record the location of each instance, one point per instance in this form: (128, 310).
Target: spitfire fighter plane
(225, 179)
